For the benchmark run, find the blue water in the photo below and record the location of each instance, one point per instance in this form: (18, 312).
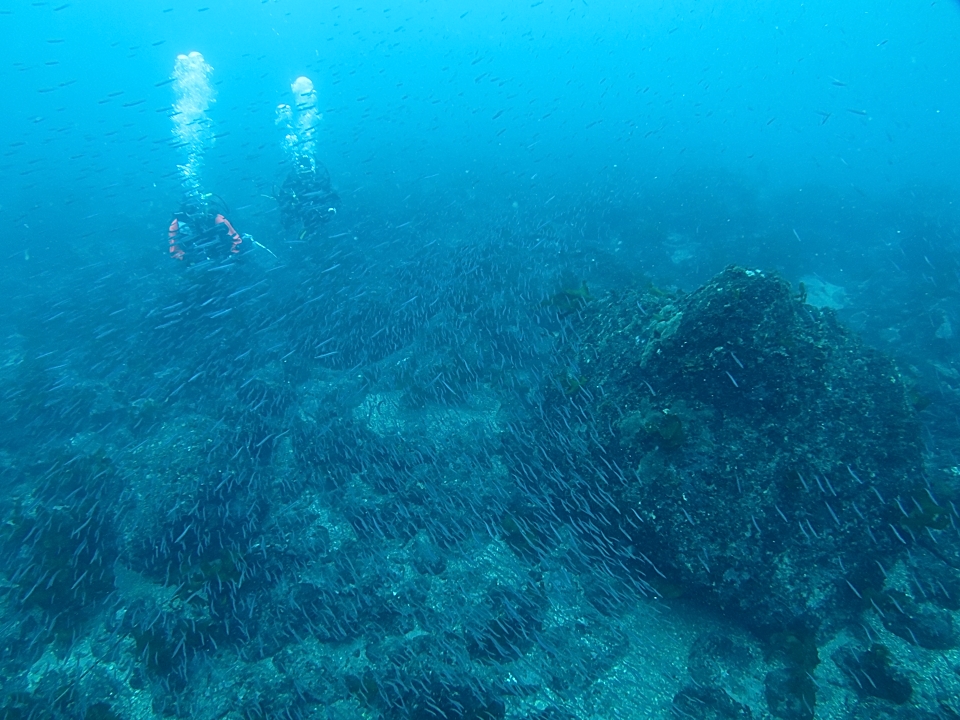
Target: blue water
(359, 410)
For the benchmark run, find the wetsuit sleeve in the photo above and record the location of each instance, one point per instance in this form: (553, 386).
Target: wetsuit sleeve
(235, 238)
(173, 235)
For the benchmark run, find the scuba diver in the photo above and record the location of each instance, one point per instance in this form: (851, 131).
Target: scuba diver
(200, 230)
(307, 199)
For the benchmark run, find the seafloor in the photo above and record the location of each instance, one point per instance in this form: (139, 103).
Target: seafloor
(414, 483)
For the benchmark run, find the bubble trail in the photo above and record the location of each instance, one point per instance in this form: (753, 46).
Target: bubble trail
(300, 123)
(194, 94)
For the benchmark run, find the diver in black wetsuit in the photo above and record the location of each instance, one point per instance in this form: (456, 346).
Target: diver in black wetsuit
(307, 199)
(198, 233)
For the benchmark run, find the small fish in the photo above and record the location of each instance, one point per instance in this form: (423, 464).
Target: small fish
(264, 247)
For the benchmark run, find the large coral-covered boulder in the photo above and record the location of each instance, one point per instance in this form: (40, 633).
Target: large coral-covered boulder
(773, 462)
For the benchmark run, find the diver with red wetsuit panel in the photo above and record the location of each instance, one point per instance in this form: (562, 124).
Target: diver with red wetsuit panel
(198, 233)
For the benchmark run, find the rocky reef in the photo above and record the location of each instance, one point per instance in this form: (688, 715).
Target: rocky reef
(558, 504)
(771, 469)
